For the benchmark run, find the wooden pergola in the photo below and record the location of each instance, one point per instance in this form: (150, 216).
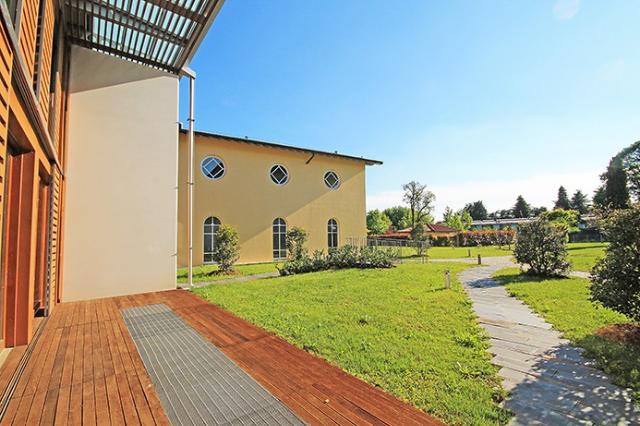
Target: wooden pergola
(161, 33)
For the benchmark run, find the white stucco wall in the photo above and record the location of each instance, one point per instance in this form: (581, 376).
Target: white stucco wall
(121, 178)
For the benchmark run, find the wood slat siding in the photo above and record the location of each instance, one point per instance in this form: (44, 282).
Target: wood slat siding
(45, 58)
(85, 369)
(6, 64)
(55, 232)
(28, 33)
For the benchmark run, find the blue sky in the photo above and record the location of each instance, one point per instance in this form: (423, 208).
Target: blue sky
(477, 99)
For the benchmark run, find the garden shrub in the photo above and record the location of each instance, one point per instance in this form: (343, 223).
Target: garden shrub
(488, 238)
(225, 250)
(616, 277)
(347, 256)
(296, 240)
(541, 245)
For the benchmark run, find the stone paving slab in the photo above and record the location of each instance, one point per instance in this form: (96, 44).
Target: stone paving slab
(549, 380)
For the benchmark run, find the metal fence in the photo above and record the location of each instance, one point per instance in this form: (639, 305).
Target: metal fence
(404, 249)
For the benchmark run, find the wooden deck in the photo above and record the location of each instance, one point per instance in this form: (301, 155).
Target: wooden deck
(85, 369)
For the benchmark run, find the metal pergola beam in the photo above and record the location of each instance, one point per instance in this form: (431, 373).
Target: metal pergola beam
(161, 33)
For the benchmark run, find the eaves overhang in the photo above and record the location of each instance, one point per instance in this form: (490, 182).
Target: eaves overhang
(164, 34)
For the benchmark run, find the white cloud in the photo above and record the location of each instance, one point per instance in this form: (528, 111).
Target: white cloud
(566, 9)
(538, 190)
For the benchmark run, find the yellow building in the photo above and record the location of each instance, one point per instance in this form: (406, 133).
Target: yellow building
(263, 189)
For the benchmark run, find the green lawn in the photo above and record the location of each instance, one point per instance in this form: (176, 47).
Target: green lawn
(395, 328)
(206, 273)
(583, 256)
(565, 304)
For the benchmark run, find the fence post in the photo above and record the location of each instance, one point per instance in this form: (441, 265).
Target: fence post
(468, 252)
(447, 279)
(479, 259)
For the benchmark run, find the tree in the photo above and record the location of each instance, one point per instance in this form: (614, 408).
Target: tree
(521, 208)
(616, 192)
(616, 277)
(580, 202)
(419, 200)
(501, 214)
(377, 222)
(460, 220)
(477, 210)
(563, 199)
(225, 251)
(599, 198)
(537, 211)
(566, 218)
(631, 164)
(400, 216)
(541, 246)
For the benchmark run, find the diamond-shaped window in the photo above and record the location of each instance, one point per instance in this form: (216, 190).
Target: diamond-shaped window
(213, 168)
(279, 175)
(332, 180)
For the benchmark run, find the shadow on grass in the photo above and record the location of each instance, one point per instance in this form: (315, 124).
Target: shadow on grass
(619, 360)
(560, 389)
(581, 248)
(524, 277)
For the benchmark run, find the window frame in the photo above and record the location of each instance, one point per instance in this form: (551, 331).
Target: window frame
(324, 179)
(333, 234)
(216, 223)
(220, 160)
(286, 170)
(279, 236)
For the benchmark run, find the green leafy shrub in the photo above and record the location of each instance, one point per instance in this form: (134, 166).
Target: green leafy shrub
(296, 240)
(541, 245)
(488, 238)
(225, 250)
(616, 277)
(340, 258)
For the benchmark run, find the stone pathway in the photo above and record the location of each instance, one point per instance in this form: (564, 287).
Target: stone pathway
(550, 383)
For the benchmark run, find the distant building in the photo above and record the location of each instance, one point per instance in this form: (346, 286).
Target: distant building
(431, 230)
(262, 189)
(499, 224)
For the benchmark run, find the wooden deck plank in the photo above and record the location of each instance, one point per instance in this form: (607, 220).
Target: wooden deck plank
(85, 369)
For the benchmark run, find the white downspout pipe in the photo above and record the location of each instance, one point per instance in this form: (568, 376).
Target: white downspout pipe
(189, 73)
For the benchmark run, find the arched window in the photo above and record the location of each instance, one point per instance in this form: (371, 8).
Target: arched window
(279, 239)
(211, 225)
(332, 234)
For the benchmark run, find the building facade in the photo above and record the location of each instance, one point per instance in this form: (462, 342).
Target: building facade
(88, 150)
(263, 189)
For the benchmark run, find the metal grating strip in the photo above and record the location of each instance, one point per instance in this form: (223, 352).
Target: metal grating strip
(196, 382)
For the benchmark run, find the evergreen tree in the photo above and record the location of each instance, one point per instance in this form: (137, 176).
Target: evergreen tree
(580, 202)
(616, 192)
(477, 210)
(599, 198)
(563, 199)
(631, 164)
(522, 208)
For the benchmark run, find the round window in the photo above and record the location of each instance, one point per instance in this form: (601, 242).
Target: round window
(279, 174)
(213, 168)
(332, 180)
